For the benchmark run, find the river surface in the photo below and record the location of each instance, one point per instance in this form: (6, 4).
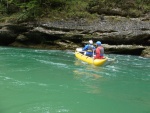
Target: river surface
(53, 81)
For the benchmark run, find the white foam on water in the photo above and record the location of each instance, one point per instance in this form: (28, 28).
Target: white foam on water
(143, 57)
(53, 63)
(42, 84)
(70, 52)
(15, 82)
(3, 48)
(108, 74)
(5, 78)
(21, 70)
(43, 107)
(41, 51)
(113, 68)
(20, 83)
(62, 111)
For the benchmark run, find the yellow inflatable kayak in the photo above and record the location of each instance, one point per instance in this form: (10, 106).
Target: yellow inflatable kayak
(90, 60)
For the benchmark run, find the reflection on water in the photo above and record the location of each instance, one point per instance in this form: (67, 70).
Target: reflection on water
(87, 80)
(88, 76)
(80, 74)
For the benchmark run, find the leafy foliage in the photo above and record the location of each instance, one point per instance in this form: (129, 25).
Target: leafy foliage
(33, 9)
(133, 8)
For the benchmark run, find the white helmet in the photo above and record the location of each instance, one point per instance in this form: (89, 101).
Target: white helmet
(91, 41)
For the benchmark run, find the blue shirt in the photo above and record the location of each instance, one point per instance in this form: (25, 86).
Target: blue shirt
(89, 49)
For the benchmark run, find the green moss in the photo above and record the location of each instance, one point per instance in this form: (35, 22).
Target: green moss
(135, 12)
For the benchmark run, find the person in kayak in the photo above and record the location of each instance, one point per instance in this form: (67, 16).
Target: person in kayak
(89, 48)
(99, 51)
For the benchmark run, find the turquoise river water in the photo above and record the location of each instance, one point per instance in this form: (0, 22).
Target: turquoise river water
(54, 81)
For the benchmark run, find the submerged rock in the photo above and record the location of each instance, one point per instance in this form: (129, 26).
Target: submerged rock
(146, 52)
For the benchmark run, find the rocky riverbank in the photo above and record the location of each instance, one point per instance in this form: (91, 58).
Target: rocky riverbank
(119, 35)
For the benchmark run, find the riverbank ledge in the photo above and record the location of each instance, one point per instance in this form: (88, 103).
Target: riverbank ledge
(118, 35)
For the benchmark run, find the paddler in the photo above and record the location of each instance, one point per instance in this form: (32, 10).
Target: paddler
(99, 51)
(89, 48)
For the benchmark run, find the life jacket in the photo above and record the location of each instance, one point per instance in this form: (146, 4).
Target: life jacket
(90, 48)
(99, 52)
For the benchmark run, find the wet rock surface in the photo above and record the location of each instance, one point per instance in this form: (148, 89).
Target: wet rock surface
(118, 35)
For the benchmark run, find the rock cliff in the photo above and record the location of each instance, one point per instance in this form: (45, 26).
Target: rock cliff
(118, 35)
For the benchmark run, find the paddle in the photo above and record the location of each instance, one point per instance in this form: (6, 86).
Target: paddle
(93, 56)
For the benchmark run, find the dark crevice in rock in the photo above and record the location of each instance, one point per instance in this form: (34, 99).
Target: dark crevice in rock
(137, 51)
(145, 29)
(6, 39)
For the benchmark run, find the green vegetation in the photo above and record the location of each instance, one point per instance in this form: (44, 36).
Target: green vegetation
(131, 8)
(27, 10)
